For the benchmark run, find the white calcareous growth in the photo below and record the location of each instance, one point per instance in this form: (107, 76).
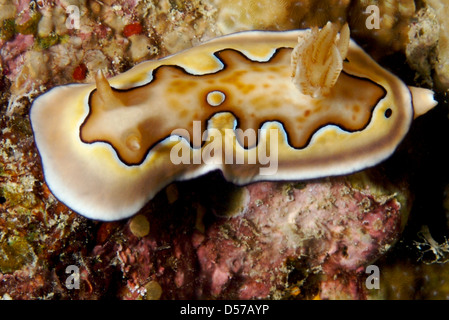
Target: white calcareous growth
(105, 146)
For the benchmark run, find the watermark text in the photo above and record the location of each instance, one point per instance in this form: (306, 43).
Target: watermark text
(220, 148)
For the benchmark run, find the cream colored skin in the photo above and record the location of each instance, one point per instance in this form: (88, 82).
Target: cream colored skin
(94, 181)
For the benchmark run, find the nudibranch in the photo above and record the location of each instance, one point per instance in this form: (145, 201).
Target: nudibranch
(257, 105)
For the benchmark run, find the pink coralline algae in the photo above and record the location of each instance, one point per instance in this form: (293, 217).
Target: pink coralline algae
(13, 53)
(332, 228)
(318, 237)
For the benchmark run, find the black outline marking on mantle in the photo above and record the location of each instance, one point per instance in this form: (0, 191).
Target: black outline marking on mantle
(204, 122)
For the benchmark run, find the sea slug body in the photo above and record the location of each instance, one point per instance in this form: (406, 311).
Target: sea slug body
(107, 147)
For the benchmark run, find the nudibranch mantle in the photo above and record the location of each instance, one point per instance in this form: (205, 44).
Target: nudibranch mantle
(107, 147)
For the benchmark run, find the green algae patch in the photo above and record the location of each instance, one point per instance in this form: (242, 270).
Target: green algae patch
(47, 42)
(30, 26)
(21, 126)
(20, 194)
(8, 29)
(15, 253)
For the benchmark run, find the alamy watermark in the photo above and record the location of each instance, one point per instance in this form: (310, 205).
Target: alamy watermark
(73, 280)
(373, 20)
(73, 19)
(221, 147)
(373, 280)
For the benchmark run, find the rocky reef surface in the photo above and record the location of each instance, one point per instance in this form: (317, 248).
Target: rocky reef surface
(206, 238)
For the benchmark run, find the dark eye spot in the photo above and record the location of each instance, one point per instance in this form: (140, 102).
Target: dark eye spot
(388, 113)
